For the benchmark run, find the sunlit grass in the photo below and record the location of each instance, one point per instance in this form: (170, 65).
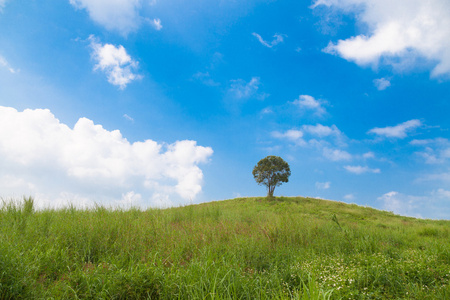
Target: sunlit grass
(252, 248)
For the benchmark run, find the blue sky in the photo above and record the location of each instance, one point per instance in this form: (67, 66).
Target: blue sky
(158, 103)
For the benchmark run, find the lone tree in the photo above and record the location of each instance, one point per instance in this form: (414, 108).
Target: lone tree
(271, 172)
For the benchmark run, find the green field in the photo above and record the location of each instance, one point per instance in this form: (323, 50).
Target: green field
(252, 248)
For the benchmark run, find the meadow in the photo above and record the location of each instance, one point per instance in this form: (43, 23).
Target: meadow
(247, 248)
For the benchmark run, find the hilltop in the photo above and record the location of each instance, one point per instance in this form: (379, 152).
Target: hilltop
(246, 248)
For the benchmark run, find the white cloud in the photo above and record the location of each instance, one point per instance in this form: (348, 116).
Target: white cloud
(318, 130)
(398, 131)
(240, 89)
(128, 117)
(436, 151)
(4, 63)
(119, 15)
(47, 159)
(292, 135)
(2, 4)
(156, 23)
(349, 197)
(432, 205)
(323, 185)
(321, 130)
(205, 78)
(399, 204)
(398, 32)
(368, 155)
(361, 170)
(319, 137)
(309, 103)
(278, 38)
(381, 83)
(439, 177)
(336, 154)
(114, 62)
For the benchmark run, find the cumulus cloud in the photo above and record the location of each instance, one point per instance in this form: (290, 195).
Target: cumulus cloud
(118, 15)
(309, 103)
(57, 164)
(381, 83)
(114, 62)
(398, 33)
(361, 170)
(278, 38)
(399, 131)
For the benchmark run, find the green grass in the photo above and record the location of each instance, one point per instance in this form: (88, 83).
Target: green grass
(252, 248)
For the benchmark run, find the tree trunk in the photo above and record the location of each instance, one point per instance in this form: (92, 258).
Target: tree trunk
(270, 191)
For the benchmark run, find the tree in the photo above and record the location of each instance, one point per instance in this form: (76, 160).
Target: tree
(271, 172)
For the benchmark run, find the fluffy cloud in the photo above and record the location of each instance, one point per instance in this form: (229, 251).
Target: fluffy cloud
(361, 170)
(278, 38)
(381, 83)
(43, 157)
(398, 32)
(309, 103)
(114, 62)
(119, 15)
(398, 131)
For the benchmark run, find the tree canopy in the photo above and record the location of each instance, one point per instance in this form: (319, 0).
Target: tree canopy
(271, 171)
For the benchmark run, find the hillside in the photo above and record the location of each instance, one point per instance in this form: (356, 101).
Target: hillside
(247, 248)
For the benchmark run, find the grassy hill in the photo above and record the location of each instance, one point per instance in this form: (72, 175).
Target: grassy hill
(252, 248)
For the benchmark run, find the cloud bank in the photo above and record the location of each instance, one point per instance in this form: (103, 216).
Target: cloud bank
(42, 157)
(398, 33)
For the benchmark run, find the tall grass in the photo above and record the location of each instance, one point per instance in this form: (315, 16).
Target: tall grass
(253, 248)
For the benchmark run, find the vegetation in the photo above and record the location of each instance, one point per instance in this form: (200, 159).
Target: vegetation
(271, 172)
(253, 248)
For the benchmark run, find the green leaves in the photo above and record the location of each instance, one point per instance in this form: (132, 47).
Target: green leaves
(271, 171)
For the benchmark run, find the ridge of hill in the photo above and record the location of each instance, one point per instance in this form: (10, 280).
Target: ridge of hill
(244, 248)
